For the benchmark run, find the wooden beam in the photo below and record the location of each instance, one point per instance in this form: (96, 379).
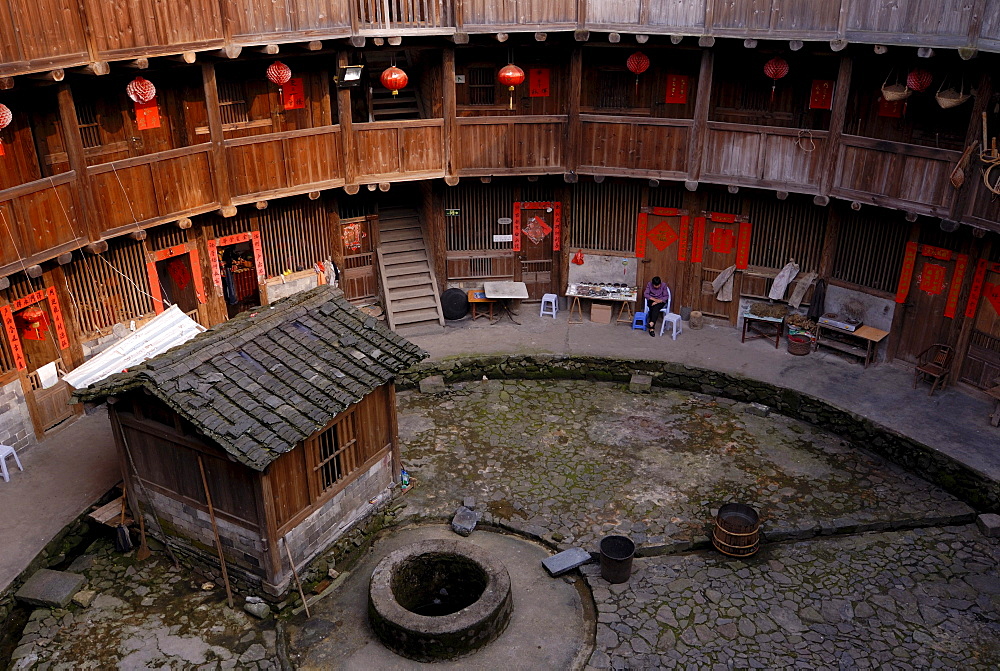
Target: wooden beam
(838, 117)
(4, 283)
(230, 51)
(541, 37)
(73, 144)
(642, 39)
(749, 44)
(581, 35)
(98, 247)
(614, 38)
(261, 204)
(34, 272)
(911, 217)
(184, 224)
(733, 189)
(821, 201)
(781, 195)
(6, 83)
(653, 183)
(138, 235)
(696, 141)
(795, 45)
(676, 39)
(351, 189)
(269, 49)
(925, 52)
(188, 57)
(880, 49)
(64, 258)
(141, 63)
(856, 206)
(229, 211)
(378, 41)
(371, 187)
(691, 185)
(96, 68)
(486, 179)
(838, 45)
(394, 41)
(451, 180)
(459, 38)
(948, 225)
(217, 157)
(314, 45)
(346, 131)
(967, 53)
(502, 37)
(449, 109)
(598, 179)
(314, 195)
(532, 178)
(357, 41)
(384, 186)
(705, 42)
(571, 148)
(56, 75)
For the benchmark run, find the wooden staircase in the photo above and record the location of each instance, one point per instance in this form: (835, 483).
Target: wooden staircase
(411, 297)
(382, 105)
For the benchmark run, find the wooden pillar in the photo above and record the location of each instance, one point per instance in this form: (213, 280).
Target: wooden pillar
(346, 133)
(217, 157)
(897, 316)
(571, 151)
(837, 118)
(449, 109)
(696, 145)
(828, 254)
(78, 164)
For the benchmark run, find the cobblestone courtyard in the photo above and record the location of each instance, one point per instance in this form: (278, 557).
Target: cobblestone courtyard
(865, 565)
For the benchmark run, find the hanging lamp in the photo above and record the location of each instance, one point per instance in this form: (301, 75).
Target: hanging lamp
(510, 76)
(394, 79)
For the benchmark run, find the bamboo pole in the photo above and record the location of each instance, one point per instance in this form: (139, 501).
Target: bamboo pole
(215, 530)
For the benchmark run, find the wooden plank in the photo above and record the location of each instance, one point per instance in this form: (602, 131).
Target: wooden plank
(219, 165)
(183, 183)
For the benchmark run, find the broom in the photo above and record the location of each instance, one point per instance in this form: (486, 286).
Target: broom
(123, 541)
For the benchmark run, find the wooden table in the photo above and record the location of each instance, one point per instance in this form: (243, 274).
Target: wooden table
(754, 323)
(505, 292)
(625, 298)
(867, 339)
(477, 297)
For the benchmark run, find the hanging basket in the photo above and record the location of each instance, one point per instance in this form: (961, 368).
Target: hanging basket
(949, 97)
(895, 92)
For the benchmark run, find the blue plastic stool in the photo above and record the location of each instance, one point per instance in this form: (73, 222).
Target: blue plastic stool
(639, 321)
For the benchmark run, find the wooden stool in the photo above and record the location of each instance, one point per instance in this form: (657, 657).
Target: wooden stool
(476, 297)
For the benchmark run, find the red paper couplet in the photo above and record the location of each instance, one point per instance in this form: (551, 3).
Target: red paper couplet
(932, 278)
(956, 286)
(821, 94)
(721, 240)
(892, 109)
(147, 115)
(938, 253)
(682, 247)
(293, 94)
(677, 89)
(663, 235)
(977, 288)
(2, 150)
(214, 262)
(743, 246)
(640, 235)
(30, 299)
(10, 326)
(516, 229)
(720, 218)
(698, 240)
(57, 319)
(906, 272)
(538, 82)
(258, 255)
(556, 226)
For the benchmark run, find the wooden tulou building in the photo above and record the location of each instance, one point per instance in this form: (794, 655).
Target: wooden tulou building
(222, 154)
(277, 428)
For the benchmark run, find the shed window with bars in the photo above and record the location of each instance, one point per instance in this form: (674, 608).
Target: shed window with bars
(481, 85)
(233, 102)
(615, 89)
(108, 289)
(870, 251)
(295, 235)
(604, 216)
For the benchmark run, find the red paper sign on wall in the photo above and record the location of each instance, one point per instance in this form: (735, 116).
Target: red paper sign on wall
(10, 326)
(821, 94)
(932, 278)
(538, 82)
(892, 110)
(677, 89)
(147, 115)
(293, 94)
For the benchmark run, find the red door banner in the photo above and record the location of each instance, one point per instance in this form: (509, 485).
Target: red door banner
(933, 276)
(980, 286)
(906, 272)
(57, 318)
(682, 248)
(515, 243)
(213, 254)
(154, 280)
(698, 244)
(556, 223)
(956, 286)
(9, 325)
(821, 94)
(640, 235)
(147, 115)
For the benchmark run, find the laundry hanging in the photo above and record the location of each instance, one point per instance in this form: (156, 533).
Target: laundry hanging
(723, 284)
(781, 281)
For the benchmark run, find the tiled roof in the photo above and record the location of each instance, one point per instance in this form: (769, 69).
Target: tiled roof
(263, 381)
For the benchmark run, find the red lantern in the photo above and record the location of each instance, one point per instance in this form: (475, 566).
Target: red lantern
(394, 79)
(140, 90)
(638, 63)
(776, 68)
(279, 73)
(510, 76)
(33, 317)
(919, 80)
(6, 116)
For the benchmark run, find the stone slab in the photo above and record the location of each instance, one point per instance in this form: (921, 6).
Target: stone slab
(989, 524)
(565, 561)
(758, 409)
(50, 588)
(640, 384)
(464, 522)
(433, 385)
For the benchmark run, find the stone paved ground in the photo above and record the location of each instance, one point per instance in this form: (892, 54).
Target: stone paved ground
(570, 462)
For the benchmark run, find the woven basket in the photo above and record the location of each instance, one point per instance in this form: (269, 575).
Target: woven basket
(896, 92)
(950, 98)
(799, 345)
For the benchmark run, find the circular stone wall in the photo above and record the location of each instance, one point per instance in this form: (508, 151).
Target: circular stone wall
(438, 599)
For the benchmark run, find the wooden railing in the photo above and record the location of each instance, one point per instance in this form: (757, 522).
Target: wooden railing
(485, 15)
(509, 145)
(166, 185)
(266, 164)
(893, 174)
(643, 147)
(386, 150)
(403, 15)
(764, 156)
(38, 220)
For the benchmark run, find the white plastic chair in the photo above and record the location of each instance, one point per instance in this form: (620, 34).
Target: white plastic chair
(552, 301)
(8, 451)
(672, 317)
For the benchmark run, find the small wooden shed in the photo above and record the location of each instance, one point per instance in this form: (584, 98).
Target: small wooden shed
(291, 411)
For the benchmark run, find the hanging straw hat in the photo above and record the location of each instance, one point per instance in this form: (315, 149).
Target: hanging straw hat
(949, 97)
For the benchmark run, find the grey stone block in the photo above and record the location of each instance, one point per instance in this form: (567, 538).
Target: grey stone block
(758, 409)
(640, 384)
(433, 385)
(469, 502)
(50, 588)
(989, 524)
(464, 522)
(566, 560)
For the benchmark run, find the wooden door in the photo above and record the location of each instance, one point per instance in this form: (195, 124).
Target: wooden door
(176, 282)
(662, 241)
(536, 238)
(981, 362)
(357, 276)
(718, 242)
(41, 349)
(929, 298)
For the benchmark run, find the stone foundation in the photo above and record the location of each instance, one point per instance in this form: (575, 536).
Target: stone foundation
(16, 429)
(956, 478)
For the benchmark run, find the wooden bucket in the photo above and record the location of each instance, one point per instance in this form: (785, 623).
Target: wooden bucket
(737, 530)
(799, 345)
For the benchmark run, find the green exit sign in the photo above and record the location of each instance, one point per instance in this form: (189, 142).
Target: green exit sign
(452, 213)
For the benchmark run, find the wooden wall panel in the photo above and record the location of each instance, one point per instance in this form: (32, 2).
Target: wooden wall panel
(946, 18)
(10, 233)
(183, 183)
(420, 149)
(10, 47)
(863, 170)
(733, 154)
(315, 158)
(376, 150)
(130, 25)
(605, 144)
(677, 13)
(662, 148)
(538, 145)
(48, 219)
(750, 15)
(481, 146)
(603, 12)
(256, 167)
(489, 12)
(263, 17)
(989, 29)
(802, 16)
(119, 194)
(48, 29)
(788, 160)
(546, 12)
(924, 180)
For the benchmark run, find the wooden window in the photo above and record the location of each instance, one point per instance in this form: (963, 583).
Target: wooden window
(233, 102)
(336, 453)
(605, 216)
(615, 89)
(870, 251)
(90, 131)
(786, 230)
(481, 84)
(108, 289)
(295, 234)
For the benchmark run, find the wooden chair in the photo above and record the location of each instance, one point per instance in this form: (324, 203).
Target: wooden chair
(934, 363)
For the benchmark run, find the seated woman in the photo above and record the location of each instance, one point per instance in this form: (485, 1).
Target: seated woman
(657, 296)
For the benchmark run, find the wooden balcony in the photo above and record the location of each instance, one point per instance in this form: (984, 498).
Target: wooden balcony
(147, 189)
(41, 220)
(282, 163)
(765, 156)
(509, 145)
(399, 150)
(404, 17)
(540, 15)
(634, 146)
(893, 174)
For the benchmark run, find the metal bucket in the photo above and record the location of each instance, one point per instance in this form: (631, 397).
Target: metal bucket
(616, 558)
